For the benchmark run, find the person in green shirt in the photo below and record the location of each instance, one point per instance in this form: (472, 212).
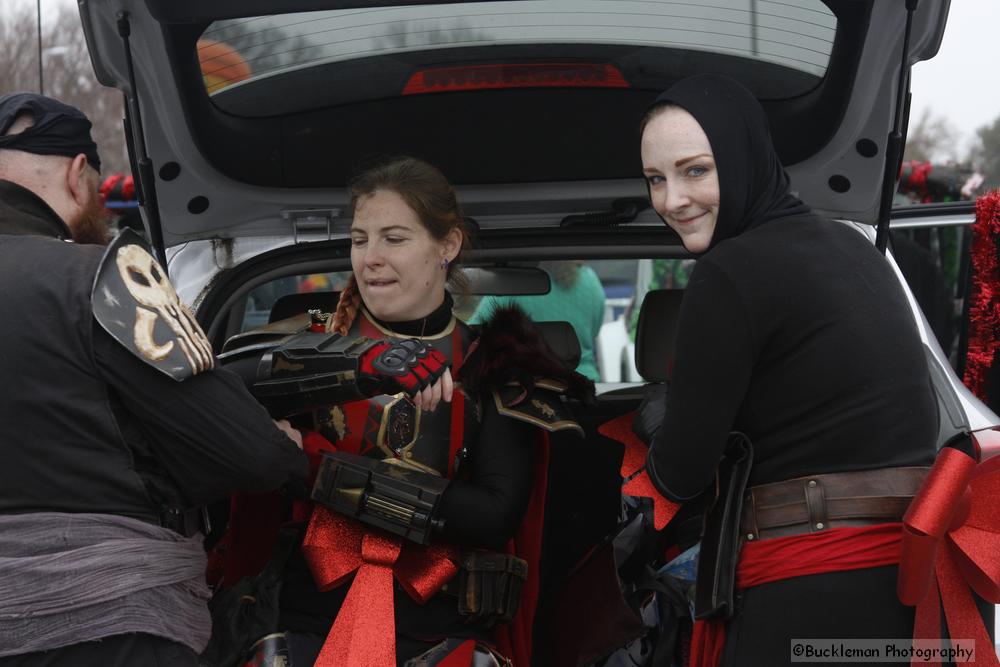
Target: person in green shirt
(576, 296)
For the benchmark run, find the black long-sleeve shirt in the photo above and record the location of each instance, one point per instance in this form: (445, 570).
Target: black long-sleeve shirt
(486, 510)
(798, 334)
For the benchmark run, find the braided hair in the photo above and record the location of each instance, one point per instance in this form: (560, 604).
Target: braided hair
(347, 308)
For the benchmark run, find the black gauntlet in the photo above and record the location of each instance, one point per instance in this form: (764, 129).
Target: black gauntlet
(392, 497)
(311, 370)
(304, 371)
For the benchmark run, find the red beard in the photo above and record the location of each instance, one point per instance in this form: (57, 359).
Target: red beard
(91, 225)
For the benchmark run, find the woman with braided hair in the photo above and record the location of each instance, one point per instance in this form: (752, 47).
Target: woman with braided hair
(470, 445)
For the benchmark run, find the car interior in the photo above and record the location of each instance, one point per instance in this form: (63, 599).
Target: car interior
(583, 502)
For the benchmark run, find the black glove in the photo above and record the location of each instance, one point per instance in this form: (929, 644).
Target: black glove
(408, 366)
(651, 412)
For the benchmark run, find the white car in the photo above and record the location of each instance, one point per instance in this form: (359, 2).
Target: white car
(247, 118)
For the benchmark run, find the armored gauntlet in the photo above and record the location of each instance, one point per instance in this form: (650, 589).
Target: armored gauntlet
(311, 370)
(392, 497)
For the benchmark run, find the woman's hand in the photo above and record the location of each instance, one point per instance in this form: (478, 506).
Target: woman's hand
(410, 366)
(293, 433)
(429, 397)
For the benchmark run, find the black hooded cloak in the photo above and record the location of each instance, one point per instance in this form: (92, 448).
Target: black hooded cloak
(795, 331)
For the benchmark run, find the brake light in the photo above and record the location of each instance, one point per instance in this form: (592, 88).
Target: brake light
(532, 75)
(987, 442)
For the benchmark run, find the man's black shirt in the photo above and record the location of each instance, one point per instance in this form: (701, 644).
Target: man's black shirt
(85, 426)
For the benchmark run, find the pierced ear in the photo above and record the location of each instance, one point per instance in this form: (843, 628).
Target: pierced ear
(452, 244)
(76, 178)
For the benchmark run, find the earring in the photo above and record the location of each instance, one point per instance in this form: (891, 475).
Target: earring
(444, 263)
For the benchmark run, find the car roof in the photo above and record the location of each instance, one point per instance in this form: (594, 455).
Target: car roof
(271, 153)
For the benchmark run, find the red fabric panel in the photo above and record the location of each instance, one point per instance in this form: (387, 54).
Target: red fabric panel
(800, 555)
(634, 469)
(514, 640)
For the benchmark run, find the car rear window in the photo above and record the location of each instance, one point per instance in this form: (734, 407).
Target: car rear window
(600, 299)
(794, 34)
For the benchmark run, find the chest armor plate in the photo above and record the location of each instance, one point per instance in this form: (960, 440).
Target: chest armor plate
(385, 427)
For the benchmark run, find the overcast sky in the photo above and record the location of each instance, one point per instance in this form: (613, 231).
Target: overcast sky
(962, 82)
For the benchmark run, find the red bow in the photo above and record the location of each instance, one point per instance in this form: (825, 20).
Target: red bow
(364, 633)
(951, 546)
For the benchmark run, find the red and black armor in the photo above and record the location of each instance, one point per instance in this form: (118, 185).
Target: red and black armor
(385, 467)
(385, 426)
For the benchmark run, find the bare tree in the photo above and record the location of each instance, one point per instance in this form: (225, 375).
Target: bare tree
(985, 153)
(933, 138)
(66, 73)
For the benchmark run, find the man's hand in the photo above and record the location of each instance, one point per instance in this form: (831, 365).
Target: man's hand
(410, 366)
(293, 433)
(651, 412)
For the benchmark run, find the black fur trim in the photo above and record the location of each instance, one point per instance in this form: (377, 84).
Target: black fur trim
(510, 348)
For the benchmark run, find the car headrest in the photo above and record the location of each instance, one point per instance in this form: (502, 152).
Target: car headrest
(656, 334)
(291, 305)
(561, 337)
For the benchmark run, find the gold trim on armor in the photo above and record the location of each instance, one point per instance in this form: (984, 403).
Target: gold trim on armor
(283, 364)
(395, 334)
(289, 325)
(408, 462)
(552, 384)
(338, 420)
(550, 426)
(384, 424)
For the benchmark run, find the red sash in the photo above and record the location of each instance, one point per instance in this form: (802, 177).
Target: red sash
(780, 558)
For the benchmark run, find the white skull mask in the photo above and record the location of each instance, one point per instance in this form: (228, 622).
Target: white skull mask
(151, 289)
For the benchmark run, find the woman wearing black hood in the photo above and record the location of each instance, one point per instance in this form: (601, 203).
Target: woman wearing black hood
(794, 331)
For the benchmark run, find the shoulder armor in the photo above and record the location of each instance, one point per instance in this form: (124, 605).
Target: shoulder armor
(540, 405)
(134, 302)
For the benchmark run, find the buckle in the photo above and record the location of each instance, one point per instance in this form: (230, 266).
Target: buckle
(187, 522)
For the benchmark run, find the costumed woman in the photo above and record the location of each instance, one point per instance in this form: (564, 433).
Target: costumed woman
(795, 332)
(431, 507)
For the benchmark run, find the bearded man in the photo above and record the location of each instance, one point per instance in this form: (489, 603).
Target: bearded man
(115, 425)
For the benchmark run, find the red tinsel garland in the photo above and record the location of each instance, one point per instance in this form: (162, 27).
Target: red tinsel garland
(984, 295)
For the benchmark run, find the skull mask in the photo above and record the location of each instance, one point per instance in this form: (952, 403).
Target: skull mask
(157, 299)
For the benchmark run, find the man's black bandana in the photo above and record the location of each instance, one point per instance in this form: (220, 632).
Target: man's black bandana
(59, 129)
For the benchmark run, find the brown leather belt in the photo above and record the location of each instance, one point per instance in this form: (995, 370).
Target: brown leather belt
(835, 500)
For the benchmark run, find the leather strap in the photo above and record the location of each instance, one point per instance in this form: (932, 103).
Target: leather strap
(820, 502)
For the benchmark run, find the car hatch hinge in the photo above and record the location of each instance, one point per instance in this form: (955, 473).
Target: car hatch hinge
(894, 146)
(306, 222)
(142, 166)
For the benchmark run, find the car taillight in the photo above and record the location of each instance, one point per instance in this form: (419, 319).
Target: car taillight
(525, 75)
(988, 442)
